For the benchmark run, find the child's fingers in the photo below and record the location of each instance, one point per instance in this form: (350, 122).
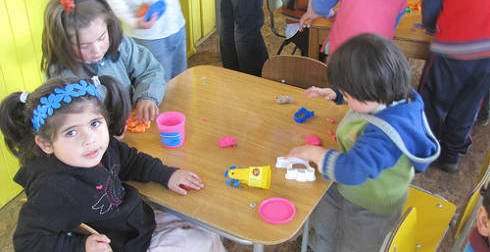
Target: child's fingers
(292, 152)
(98, 242)
(139, 113)
(302, 22)
(146, 115)
(311, 93)
(298, 151)
(153, 112)
(179, 189)
(194, 183)
(153, 18)
(330, 96)
(101, 238)
(191, 174)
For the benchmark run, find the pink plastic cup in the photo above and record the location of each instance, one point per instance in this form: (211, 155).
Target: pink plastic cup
(172, 129)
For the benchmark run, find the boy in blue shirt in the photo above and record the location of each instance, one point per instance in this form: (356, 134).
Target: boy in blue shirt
(383, 139)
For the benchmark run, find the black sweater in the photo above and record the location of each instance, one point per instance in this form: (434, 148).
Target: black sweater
(60, 197)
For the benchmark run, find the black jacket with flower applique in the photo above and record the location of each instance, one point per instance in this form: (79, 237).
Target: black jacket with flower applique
(60, 197)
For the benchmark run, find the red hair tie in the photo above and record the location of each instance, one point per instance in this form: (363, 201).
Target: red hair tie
(68, 4)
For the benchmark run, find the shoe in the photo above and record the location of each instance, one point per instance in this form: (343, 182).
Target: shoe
(446, 166)
(482, 122)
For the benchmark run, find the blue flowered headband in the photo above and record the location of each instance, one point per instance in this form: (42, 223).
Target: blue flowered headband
(48, 104)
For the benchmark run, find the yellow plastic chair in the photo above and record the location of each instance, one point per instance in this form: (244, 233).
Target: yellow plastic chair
(434, 214)
(299, 71)
(402, 238)
(467, 217)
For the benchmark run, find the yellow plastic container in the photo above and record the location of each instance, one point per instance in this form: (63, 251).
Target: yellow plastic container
(255, 176)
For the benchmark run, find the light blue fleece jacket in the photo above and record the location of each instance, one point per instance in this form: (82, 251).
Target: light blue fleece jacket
(134, 67)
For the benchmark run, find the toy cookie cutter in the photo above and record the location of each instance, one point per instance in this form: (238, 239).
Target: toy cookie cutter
(302, 115)
(305, 173)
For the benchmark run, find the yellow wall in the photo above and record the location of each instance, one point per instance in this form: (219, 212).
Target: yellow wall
(20, 55)
(200, 21)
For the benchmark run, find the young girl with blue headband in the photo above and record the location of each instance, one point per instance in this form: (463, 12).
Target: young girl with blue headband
(72, 172)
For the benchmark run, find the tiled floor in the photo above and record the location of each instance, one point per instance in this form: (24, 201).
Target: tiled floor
(453, 187)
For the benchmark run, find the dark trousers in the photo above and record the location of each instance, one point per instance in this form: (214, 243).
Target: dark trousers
(241, 43)
(485, 108)
(452, 91)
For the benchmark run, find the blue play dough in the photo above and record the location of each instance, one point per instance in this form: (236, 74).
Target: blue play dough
(158, 7)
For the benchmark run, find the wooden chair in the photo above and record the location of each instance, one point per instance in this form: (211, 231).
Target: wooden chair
(434, 214)
(297, 71)
(467, 217)
(402, 238)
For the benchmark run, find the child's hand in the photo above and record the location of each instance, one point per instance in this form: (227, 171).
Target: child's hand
(310, 153)
(185, 178)
(142, 24)
(146, 110)
(326, 93)
(307, 18)
(98, 243)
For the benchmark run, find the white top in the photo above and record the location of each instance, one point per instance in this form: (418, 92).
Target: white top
(169, 23)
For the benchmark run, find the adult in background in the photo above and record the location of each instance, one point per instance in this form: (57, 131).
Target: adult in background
(241, 43)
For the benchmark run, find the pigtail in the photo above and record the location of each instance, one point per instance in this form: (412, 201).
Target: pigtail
(117, 103)
(15, 125)
(62, 22)
(56, 53)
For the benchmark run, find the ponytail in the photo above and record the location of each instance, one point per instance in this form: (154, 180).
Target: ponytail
(16, 126)
(117, 104)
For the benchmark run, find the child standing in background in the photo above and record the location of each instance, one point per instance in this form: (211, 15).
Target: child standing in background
(72, 172)
(354, 17)
(163, 36)
(382, 138)
(83, 39)
(456, 75)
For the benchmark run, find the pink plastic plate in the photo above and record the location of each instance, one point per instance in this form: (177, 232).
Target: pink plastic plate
(277, 210)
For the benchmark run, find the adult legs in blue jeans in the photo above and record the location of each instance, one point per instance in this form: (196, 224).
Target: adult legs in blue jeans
(452, 91)
(171, 52)
(241, 43)
(340, 226)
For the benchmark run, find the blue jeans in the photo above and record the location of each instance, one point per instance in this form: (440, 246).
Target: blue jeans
(241, 43)
(342, 226)
(171, 52)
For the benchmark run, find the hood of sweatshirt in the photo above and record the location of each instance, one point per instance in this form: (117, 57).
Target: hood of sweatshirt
(416, 139)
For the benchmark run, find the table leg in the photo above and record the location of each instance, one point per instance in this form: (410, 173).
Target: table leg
(313, 43)
(306, 230)
(258, 247)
